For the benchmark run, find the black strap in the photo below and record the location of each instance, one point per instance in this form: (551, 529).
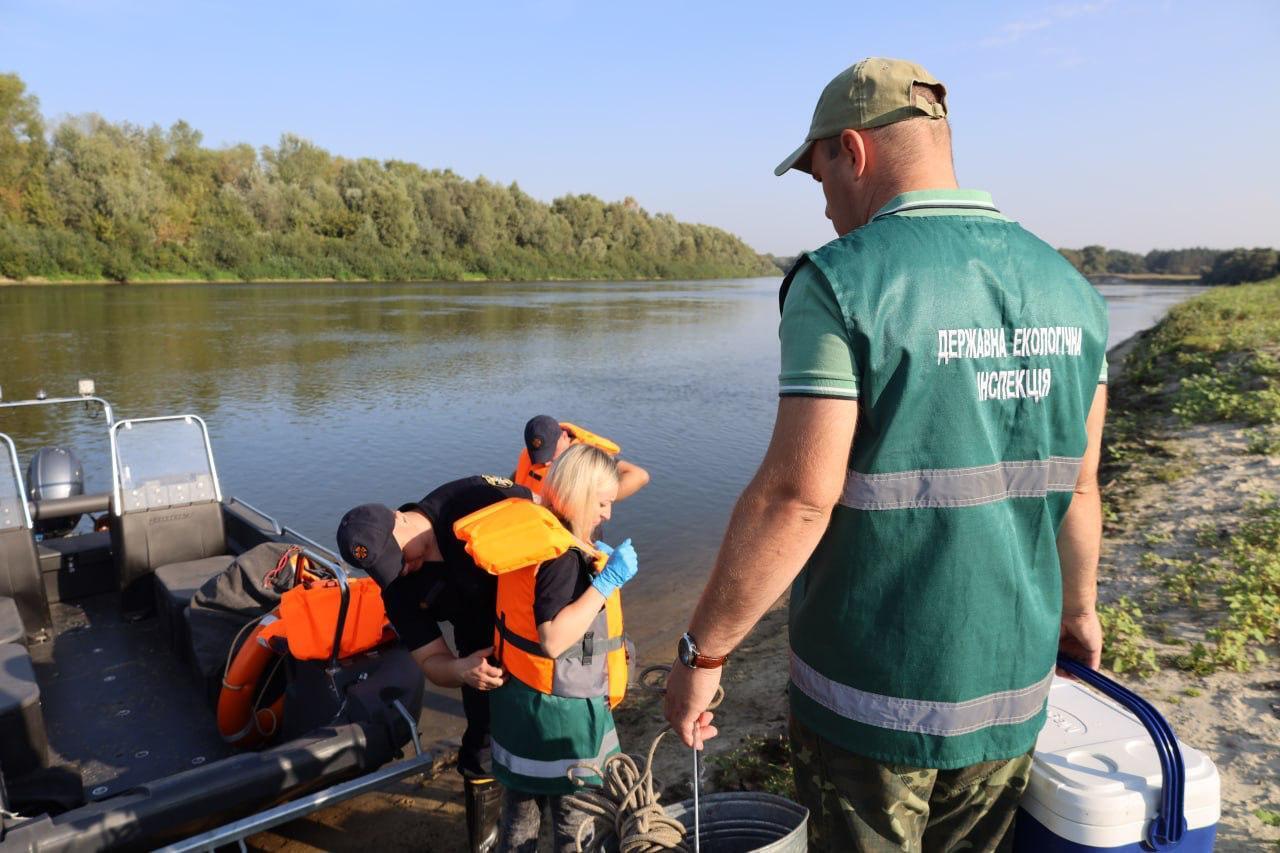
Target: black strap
(787, 279)
(586, 650)
(524, 644)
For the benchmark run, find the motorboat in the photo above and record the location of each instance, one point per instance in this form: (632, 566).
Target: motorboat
(108, 729)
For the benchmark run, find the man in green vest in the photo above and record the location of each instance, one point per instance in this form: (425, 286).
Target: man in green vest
(930, 491)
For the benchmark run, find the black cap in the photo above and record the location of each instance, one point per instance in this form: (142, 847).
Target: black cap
(541, 435)
(365, 541)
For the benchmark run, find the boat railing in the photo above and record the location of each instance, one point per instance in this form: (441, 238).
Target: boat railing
(272, 526)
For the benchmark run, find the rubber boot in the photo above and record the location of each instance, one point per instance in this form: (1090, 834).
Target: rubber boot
(483, 797)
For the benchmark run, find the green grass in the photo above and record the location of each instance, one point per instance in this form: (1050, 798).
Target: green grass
(761, 763)
(1245, 592)
(1125, 640)
(1215, 357)
(1263, 441)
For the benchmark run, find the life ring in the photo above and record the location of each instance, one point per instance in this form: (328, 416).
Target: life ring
(240, 721)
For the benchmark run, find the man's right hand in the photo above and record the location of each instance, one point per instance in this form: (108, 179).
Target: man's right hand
(1080, 638)
(476, 672)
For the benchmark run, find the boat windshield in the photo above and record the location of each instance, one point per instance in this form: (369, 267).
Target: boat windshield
(12, 513)
(164, 462)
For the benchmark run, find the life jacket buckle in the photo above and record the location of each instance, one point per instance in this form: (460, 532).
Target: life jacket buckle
(588, 647)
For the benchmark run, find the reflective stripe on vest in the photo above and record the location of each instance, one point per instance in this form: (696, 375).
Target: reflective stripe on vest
(954, 487)
(557, 769)
(916, 715)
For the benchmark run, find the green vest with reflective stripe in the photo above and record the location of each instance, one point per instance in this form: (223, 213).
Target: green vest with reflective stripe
(924, 627)
(538, 739)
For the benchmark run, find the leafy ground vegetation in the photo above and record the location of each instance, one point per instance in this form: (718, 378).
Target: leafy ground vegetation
(1213, 360)
(92, 200)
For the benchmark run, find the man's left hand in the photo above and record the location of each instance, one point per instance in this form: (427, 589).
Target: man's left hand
(689, 693)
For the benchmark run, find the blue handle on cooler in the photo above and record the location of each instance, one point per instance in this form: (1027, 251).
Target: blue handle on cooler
(1166, 831)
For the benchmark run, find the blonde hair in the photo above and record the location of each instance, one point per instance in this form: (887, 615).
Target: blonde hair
(573, 482)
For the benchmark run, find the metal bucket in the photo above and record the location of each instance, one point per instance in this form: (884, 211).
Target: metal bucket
(739, 821)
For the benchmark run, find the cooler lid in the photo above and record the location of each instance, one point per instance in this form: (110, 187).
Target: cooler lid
(1095, 764)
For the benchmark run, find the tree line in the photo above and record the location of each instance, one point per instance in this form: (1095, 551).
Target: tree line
(89, 198)
(1213, 266)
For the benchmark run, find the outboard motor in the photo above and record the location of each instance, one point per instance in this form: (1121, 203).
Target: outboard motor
(54, 473)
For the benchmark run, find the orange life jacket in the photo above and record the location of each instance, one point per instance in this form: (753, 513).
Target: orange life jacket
(303, 626)
(511, 539)
(309, 619)
(533, 476)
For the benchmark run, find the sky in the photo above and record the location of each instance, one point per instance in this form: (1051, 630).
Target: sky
(1136, 124)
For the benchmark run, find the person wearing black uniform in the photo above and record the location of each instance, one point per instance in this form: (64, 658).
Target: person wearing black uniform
(427, 577)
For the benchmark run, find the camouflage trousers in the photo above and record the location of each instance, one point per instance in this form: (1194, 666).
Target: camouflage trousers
(857, 803)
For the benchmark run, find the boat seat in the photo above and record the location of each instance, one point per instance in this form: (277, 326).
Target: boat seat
(146, 540)
(175, 584)
(20, 579)
(23, 744)
(11, 630)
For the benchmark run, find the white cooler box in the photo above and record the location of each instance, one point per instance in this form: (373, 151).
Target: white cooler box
(1098, 783)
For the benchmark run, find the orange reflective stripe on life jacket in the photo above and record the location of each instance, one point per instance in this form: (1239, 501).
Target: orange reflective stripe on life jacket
(511, 539)
(532, 476)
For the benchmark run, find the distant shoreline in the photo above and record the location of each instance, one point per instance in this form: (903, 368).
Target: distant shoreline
(38, 281)
(1137, 277)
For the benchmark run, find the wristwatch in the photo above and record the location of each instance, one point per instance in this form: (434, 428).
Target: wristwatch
(687, 651)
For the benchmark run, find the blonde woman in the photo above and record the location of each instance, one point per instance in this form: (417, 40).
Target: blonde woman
(542, 729)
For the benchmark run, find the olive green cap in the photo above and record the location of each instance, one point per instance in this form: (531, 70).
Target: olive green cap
(871, 93)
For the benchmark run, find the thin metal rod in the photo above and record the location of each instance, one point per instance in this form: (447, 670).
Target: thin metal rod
(413, 725)
(339, 571)
(17, 475)
(307, 540)
(232, 832)
(697, 821)
(53, 401)
(275, 525)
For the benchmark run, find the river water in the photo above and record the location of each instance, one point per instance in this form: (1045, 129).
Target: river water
(322, 396)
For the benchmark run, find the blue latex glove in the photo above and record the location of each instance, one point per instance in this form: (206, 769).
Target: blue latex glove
(621, 567)
(604, 547)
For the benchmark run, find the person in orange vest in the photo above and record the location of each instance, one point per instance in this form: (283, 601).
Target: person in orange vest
(559, 637)
(545, 439)
(427, 578)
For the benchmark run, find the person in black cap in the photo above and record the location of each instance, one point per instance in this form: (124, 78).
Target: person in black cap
(545, 438)
(427, 578)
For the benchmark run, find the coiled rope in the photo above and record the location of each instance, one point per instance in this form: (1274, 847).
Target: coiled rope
(625, 806)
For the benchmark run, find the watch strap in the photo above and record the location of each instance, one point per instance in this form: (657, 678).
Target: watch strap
(707, 661)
